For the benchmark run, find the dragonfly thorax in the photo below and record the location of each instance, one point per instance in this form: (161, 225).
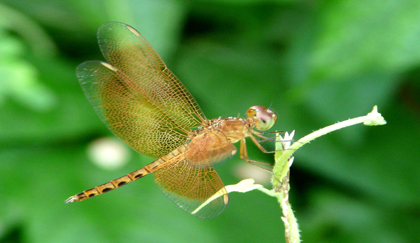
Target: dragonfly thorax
(234, 129)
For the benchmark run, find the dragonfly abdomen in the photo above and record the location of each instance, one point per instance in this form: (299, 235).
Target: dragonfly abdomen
(170, 158)
(109, 186)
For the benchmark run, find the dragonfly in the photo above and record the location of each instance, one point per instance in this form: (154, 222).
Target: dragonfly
(144, 104)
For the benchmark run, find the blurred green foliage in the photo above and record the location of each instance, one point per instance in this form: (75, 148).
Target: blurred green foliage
(314, 62)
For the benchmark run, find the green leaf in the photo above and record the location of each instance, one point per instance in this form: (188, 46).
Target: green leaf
(364, 36)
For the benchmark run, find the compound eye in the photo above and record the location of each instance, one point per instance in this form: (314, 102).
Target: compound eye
(264, 118)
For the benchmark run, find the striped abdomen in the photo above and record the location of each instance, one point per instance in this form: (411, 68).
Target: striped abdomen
(172, 157)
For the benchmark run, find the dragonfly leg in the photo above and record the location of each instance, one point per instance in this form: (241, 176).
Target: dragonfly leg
(243, 153)
(255, 140)
(258, 142)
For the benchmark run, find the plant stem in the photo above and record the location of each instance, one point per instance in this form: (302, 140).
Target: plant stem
(284, 159)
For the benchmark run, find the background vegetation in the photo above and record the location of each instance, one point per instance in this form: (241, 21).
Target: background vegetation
(314, 62)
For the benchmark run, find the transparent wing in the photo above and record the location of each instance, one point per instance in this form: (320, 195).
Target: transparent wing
(198, 191)
(127, 114)
(192, 183)
(209, 149)
(127, 50)
(136, 96)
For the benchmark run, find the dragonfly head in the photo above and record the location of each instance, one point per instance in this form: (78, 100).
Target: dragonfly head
(264, 118)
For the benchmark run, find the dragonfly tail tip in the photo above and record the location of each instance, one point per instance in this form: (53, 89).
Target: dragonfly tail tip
(70, 199)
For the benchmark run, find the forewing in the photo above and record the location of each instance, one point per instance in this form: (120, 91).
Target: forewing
(129, 51)
(198, 191)
(136, 96)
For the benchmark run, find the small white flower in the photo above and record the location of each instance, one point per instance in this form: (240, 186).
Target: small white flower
(286, 141)
(245, 185)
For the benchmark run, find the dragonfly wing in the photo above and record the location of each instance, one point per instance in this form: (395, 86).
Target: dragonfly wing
(131, 53)
(198, 191)
(209, 148)
(136, 96)
(126, 113)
